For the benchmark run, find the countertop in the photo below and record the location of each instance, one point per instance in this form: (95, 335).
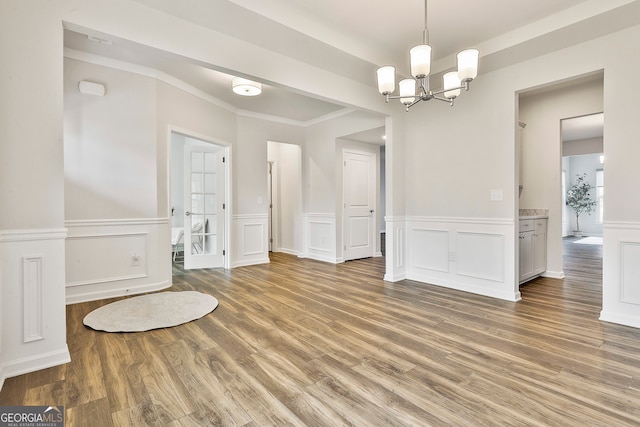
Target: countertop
(534, 213)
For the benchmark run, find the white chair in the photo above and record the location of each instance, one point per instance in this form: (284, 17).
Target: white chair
(177, 234)
(196, 238)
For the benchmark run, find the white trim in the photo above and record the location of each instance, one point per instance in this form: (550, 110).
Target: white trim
(35, 234)
(38, 362)
(251, 216)
(553, 274)
(92, 236)
(78, 297)
(32, 296)
(621, 319)
(228, 195)
(460, 220)
(622, 225)
(115, 222)
(184, 86)
(287, 251)
(106, 280)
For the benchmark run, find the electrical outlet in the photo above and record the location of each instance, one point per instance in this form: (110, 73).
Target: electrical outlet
(135, 260)
(496, 195)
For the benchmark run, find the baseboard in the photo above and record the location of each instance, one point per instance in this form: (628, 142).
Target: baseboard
(114, 293)
(34, 363)
(287, 251)
(394, 278)
(553, 274)
(320, 258)
(620, 319)
(251, 262)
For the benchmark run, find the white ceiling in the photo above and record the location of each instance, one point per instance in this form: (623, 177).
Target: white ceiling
(352, 38)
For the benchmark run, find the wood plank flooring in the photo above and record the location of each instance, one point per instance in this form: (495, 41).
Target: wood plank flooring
(303, 343)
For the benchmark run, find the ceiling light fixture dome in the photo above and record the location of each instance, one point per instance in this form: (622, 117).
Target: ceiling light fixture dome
(246, 87)
(420, 60)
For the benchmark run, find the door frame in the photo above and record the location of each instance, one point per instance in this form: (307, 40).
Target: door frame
(376, 196)
(272, 205)
(227, 149)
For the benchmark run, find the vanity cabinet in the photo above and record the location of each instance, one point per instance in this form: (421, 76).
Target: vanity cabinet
(532, 241)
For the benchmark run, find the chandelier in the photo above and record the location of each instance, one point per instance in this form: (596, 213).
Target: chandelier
(420, 59)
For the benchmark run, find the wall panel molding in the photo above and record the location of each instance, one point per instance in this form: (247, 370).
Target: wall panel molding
(251, 234)
(481, 255)
(630, 273)
(319, 237)
(469, 254)
(32, 314)
(32, 271)
(621, 273)
(111, 258)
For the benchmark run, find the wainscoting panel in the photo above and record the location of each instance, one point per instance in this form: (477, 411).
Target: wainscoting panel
(32, 304)
(101, 258)
(251, 237)
(621, 273)
(630, 272)
(430, 249)
(33, 298)
(470, 254)
(111, 258)
(319, 239)
(395, 249)
(481, 255)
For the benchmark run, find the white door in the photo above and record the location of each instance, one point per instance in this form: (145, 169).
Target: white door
(204, 207)
(359, 185)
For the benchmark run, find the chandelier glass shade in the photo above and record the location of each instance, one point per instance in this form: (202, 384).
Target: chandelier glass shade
(420, 61)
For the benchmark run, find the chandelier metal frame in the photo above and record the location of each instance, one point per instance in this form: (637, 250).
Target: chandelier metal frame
(420, 56)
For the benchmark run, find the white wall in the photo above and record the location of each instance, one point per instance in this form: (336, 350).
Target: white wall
(32, 232)
(542, 153)
(322, 183)
(250, 189)
(480, 131)
(462, 141)
(109, 145)
(31, 80)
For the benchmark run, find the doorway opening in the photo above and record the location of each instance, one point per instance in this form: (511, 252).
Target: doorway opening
(199, 193)
(560, 121)
(284, 194)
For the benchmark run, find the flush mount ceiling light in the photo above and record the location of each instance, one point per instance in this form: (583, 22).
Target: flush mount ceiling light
(421, 68)
(245, 87)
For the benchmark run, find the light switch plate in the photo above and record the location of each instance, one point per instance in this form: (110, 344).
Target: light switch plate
(496, 195)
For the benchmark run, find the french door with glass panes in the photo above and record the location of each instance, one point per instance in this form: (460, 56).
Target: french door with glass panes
(204, 202)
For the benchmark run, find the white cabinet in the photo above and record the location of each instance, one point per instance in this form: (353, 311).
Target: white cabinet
(533, 248)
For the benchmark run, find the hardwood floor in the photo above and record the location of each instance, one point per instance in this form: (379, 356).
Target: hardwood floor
(299, 342)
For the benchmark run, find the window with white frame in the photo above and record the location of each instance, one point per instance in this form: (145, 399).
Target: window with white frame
(600, 194)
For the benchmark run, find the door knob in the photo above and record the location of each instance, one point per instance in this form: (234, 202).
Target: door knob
(187, 213)
(371, 211)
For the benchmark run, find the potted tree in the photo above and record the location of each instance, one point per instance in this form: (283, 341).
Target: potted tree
(579, 199)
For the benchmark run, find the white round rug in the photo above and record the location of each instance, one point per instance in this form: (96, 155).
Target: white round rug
(152, 311)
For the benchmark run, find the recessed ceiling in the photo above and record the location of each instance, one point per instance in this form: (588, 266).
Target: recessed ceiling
(351, 39)
(275, 102)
